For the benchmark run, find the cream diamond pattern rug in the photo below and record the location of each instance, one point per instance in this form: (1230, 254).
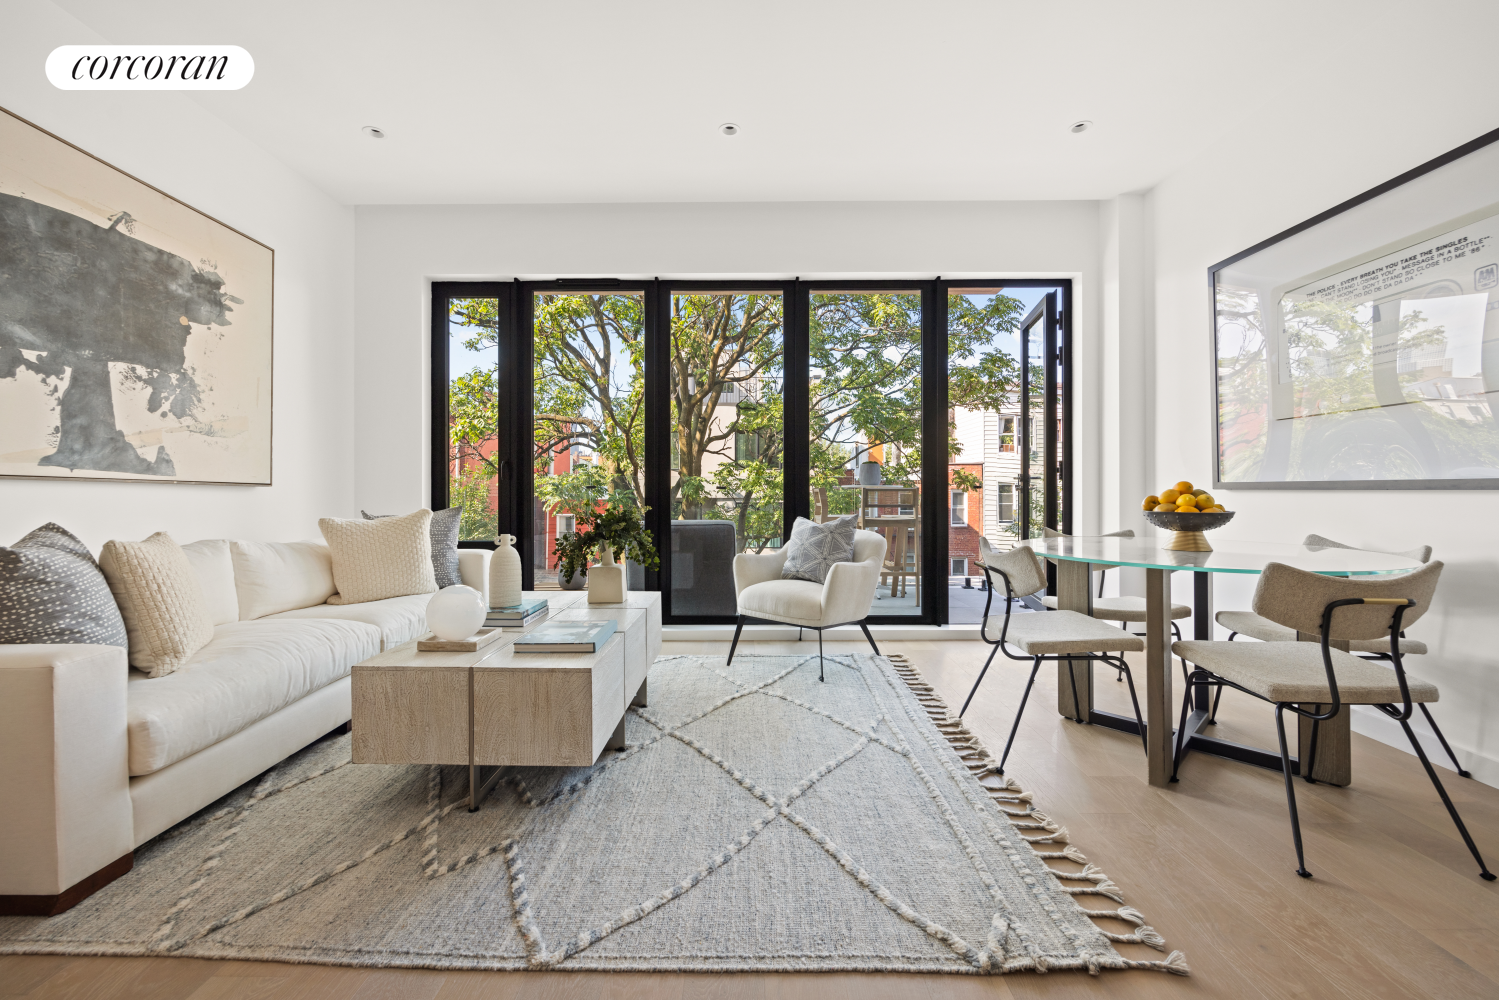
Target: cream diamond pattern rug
(758, 820)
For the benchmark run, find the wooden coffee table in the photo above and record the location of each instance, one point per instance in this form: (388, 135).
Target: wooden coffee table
(496, 708)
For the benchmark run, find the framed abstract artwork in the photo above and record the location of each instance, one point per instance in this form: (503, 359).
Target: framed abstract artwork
(1360, 349)
(135, 331)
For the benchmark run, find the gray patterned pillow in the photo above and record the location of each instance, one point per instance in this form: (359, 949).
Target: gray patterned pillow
(444, 533)
(51, 590)
(814, 548)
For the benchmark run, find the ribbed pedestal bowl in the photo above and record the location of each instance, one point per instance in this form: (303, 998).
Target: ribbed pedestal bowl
(1187, 529)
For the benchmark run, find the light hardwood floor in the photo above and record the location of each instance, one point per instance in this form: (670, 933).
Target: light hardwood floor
(1396, 908)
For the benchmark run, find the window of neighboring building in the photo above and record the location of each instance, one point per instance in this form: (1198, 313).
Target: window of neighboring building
(1007, 434)
(566, 523)
(960, 567)
(959, 507)
(1006, 501)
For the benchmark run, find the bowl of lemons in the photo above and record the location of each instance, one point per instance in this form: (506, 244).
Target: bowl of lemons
(1187, 513)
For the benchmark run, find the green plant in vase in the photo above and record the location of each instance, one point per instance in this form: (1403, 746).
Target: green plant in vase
(618, 526)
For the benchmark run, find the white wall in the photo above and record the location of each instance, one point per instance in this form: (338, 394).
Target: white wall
(403, 249)
(1243, 193)
(170, 141)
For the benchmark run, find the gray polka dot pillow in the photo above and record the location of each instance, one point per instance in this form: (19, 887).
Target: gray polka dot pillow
(51, 590)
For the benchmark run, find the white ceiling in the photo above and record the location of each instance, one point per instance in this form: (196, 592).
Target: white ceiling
(589, 101)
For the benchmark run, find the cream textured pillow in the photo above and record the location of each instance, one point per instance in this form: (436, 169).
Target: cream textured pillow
(160, 599)
(375, 560)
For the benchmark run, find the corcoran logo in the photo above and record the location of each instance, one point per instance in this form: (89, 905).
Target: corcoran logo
(149, 67)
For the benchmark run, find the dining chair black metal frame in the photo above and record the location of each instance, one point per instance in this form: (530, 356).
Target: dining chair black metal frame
(1401, 714)
(1037, 659)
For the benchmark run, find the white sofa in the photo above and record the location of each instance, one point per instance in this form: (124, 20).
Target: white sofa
(96, 758)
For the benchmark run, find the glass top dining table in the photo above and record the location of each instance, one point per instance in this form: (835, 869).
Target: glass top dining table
(1228, 555)
(1076, 556)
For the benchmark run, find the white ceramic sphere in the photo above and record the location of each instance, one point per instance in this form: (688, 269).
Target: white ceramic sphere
(456, 612)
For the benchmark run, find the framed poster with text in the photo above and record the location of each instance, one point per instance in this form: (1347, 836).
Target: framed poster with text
(1360, 349)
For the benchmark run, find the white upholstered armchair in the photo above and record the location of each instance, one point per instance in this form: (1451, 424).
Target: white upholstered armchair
(844, 598)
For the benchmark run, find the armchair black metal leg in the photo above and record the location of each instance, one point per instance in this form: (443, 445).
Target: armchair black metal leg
(1036, 665)
(1483, 869)
(1285, 766)
(820, 676)
(1181, 733)
(1213, 715)
(1077, 707)
(1452, 756)
(1311, 754)
(977, 682)
(735, 644)
(1139, 719)
(865, 629)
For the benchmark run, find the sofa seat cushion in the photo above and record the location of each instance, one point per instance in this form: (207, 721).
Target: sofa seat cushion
(399, 619)
(249, 671)
(796, 602)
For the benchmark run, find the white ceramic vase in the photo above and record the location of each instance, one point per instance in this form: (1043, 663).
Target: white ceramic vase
(504, 574)
(455, 612)
(606, 581)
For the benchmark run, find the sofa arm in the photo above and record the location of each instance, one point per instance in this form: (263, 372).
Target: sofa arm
(473, 570)
(751, 568)
(64, 766)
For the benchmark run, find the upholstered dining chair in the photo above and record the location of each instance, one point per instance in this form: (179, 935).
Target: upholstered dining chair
(1124, 610)
(1044, 635)
(1294, 675)
(1256, 627)
(844, 598)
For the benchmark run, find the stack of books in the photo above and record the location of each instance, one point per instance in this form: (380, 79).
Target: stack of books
(566, 637)
(517, 616)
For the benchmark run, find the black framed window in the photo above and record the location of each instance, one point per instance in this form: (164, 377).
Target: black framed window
(731, 408)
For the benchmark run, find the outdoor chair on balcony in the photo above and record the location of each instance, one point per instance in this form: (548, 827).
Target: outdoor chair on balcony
(844, 598)
(1045, 635)
(1315, 680)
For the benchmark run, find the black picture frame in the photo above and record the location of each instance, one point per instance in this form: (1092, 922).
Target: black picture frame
(1450, 157)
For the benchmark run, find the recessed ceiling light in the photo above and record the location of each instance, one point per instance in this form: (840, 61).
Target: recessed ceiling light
(729, 128)
(1082, 126)
(373, 132)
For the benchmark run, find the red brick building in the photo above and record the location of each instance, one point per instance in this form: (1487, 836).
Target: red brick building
(965, 518)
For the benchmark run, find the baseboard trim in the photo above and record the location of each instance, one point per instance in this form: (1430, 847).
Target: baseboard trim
(1371, 722)
(51, 906)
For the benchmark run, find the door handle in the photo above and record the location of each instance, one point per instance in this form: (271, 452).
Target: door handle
(504, 468)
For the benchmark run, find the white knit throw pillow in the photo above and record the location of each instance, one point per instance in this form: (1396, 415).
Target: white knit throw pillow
(376, 560)
(160, 599)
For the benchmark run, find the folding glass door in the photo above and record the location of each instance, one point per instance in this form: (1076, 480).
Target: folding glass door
(864, 427)
(724, 492)
(933, 411)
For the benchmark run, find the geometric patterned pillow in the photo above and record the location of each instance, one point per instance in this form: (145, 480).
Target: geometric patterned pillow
(51, 590)
(444, 533)
(813, 548)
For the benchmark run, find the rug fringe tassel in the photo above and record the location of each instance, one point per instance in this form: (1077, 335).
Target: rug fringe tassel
(1175, 963)
(1059, 837)
(1126, 913)
(1145, 935)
